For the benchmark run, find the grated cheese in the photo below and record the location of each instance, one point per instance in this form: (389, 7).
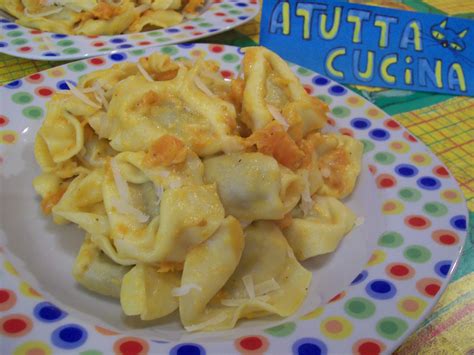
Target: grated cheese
(278, 116)
(42, 14)
(236, 302)
(201, 86)
(249, 286)
(144, 72)
(306, 200)
(290, 253)
(120, 182)
(266, 286)
(359, 221)
(213, 321)
(124, 208)
(76, 92)
(184, 290)
(100, 95)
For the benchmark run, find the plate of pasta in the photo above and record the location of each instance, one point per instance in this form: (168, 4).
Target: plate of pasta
(73, 29)
(211, 199)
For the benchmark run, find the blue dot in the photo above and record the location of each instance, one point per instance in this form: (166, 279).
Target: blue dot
(241, 4)
(118, 40)
(69, 336)
(118, 57)
(186, 45)
(14, 84)
(442, 267)
(3, 20)
(359, 278)
(379, 134)
(59, 35)
(243, 18)
(172, 30)
(3, 44)
(428, 183)
(124, 46)
(337, 90)
(360, 123)
(50, 54)
(320, 81)
(309, 346)
(61, 85)
(10, 26)
(213, 30)
(381, 289)
(458, 222)
(406, 170)
(47, 312)
(187, 349)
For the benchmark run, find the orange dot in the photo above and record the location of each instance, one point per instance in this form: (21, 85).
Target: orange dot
(389, 206)
(334, 326)
(410, 305)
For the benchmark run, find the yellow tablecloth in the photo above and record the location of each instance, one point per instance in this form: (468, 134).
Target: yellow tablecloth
(445, 124)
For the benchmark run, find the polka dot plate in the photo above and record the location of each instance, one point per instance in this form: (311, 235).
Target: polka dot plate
(365, 298)
(217, 16)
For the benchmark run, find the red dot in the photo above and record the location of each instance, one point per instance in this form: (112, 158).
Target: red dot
(216, 49)
(409, 137)
(92, 36)
(45, 91)
(35, 32)
(229, 20)
(189, 27)
(417, 221)
(35, 76)
(144, 43)
(308, 89)
(96, 61)
(251, 343)
(387, 183)
(372, 169)
(3, 120)
(4, 296)
(226, 74)
(25, 49)
(441, 171)
(98, 44)
(197, 33)
(399, 270)
(219, 14)
(392, 124)
(369, 348)
(14, 325)
(432, 289)
(131, 347)
(447, 239)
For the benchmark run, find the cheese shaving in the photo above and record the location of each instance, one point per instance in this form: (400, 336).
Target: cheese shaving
(120, 182)
(306, 200)
(142, 8)
(76, 92)
(278, 116)
(236, 302)
(159, 194)
(201, 86)
(48, 43)
(266, 287)
(124, 208)
(213, 321)
(184, 290)
(290, 253)
(144, 72)
(249, 286)
(42, 14)
(100, 95)
(359, 221)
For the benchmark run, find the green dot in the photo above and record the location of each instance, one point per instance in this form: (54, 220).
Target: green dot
(325, 98)
(90, 352)
(390, 240)
(359, 308)
(225, 6)
(22, 98)
(417, 254)
(33, 112)
(235, 12)
(391, 327)
(435, 209)
(205, 24)
(19, 41)
(65, 43)
(78, 66)
(304, 71)
(368, 145)
(409, 194)
(155, 33)
(341, 111)
(107, 49)
(282, 330)
(169, 50)
(161, 40)
(138, 52)
(71, 50)
(14, 33)
(230, 58)
(384, 158)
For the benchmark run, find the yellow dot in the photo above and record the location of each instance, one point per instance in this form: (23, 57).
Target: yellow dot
(37, 39)
(137, 36)
(355, 101)
(377, 257)
(27, 291)
(33, 347)
(391, 207)
(313, 314)
(411, 306)
(336, 328)
(452, 196)
(399, 147)
(10, 268)
(374, 113)
(8, 137)
(56, 72)
(421, 159)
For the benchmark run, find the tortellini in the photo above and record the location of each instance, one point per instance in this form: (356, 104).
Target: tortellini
(195, 196)
(100, 17)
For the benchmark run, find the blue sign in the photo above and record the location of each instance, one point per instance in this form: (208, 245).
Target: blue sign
(373, 46)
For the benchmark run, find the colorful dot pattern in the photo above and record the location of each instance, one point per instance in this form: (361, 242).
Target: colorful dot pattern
(217, 16)
(422, 208)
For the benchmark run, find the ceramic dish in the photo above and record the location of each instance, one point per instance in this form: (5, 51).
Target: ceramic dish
(217, 16)
(365, 298)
